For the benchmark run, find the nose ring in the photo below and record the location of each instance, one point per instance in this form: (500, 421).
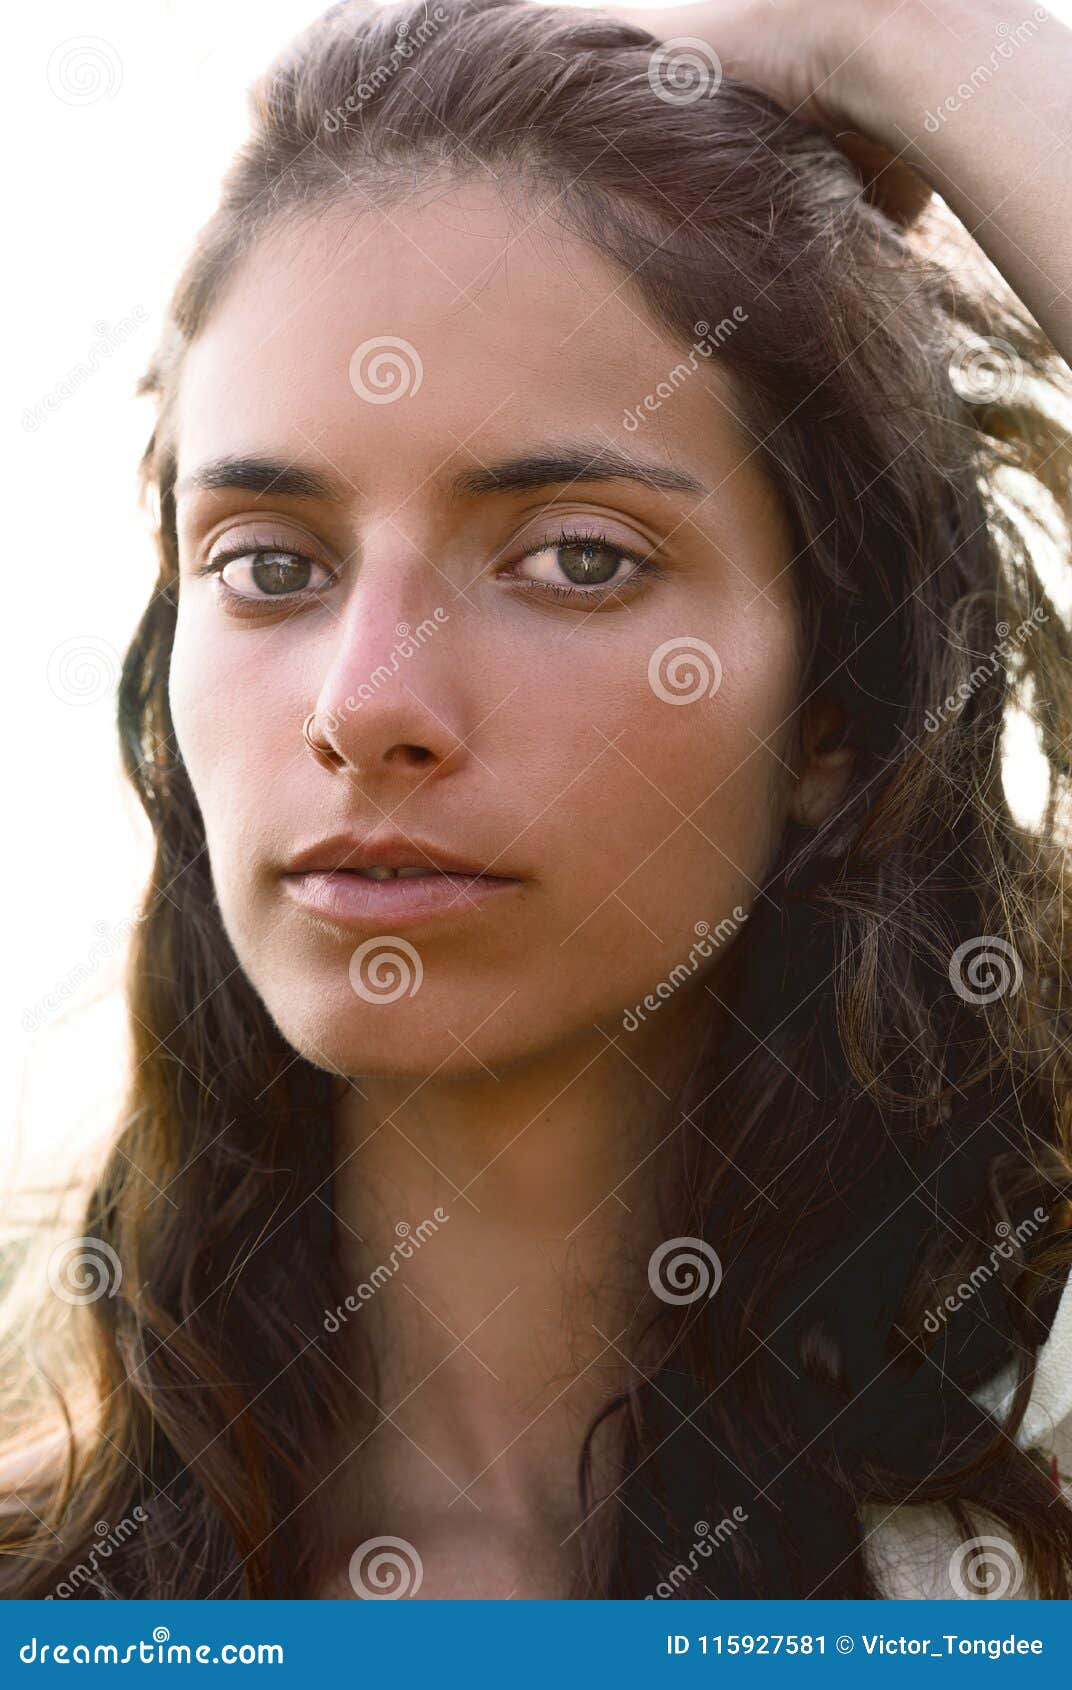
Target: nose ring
(316, 746)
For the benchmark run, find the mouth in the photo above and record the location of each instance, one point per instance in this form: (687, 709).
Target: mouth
(376, 896)
(379, 872)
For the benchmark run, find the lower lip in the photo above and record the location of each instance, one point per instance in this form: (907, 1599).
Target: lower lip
(352, 900)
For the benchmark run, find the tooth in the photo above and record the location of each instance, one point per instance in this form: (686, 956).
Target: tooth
(378, 872)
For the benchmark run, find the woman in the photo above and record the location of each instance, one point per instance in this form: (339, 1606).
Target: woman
(584, 484)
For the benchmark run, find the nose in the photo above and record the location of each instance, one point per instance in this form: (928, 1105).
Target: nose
(390, 704)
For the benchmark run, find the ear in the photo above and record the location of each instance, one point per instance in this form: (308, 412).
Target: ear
(825, 762)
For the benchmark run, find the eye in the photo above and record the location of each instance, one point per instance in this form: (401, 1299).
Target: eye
(267, 572)
(591, 563)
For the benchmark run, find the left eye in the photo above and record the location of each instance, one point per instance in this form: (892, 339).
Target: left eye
(589, 561)
(273, 574)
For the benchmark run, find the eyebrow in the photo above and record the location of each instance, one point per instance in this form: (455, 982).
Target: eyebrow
(565, 463)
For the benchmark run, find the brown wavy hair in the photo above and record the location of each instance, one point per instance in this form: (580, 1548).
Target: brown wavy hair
(873, 1118)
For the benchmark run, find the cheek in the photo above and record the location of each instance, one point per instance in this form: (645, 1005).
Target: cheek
(233, 721)
(672, 804)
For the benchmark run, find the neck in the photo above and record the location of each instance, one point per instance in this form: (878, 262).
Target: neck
(495, 1229)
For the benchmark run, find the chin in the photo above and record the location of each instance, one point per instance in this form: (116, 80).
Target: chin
(412, 1036)
(387, 1007)
(413, 1053)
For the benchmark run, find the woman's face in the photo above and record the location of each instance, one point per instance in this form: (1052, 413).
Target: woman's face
(386, 577)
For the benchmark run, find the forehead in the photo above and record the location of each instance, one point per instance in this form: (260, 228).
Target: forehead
(441, 327)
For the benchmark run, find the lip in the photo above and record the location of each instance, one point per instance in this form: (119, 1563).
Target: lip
(350, 900)
(391, 850)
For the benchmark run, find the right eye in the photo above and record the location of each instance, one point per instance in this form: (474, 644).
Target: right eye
(268, 572)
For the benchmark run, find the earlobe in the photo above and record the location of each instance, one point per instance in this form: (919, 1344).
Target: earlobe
(826, 764)
(821, 786)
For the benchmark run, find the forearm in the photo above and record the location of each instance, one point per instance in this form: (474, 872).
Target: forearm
(975, 95)
(978, 98)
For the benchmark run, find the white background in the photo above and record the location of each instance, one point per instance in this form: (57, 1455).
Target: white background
(105, 197)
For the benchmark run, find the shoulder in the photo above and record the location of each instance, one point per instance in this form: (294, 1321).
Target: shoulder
(916, 1552)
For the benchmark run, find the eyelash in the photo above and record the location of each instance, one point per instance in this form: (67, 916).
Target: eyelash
(647, 566)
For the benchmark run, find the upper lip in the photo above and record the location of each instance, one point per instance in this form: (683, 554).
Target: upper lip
(395, 850)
